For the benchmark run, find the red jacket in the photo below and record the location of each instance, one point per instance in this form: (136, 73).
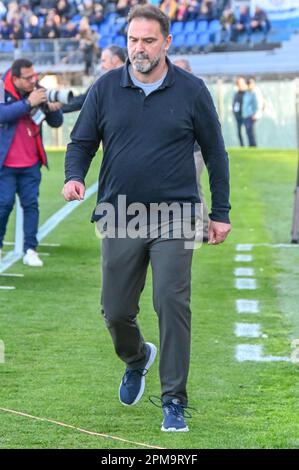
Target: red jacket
(11, 110)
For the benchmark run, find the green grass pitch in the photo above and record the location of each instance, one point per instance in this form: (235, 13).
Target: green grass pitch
(59, 359)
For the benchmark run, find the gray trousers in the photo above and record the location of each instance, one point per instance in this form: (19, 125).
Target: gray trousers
(124, 268)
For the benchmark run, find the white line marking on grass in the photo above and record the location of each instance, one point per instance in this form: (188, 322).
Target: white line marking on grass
(2, 352)
(91, 433)
(10, 258)
(254, 352)
(249, 246)
(251, 352)
(244, 258)
(62, 213)
(248, 330)
(244, 283)
(49, 244)
(40, 244)
(7, 287)
(11, 275)
(244, 272)
(248, 352)
(244, 247)
(41, 253)
(278, 245)
(247, 306)
(275, 359)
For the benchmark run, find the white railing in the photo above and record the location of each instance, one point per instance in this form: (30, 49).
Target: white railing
(44, 52)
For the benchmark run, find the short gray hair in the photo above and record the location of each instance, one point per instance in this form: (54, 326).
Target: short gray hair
(150, 12)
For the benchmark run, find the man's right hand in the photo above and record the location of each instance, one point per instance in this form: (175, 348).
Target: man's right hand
(218, 232)
(37, 97)
(73, 191)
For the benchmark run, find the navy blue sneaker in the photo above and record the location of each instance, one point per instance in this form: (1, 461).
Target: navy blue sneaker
(132, 385)
(174, 420)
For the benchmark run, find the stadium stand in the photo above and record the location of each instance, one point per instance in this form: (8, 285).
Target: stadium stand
(69, 33)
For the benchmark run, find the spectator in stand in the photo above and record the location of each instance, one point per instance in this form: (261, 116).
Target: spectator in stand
(192, 10)
(17, 33)
(207, 10)
(182, 9)
(33, 30)
(98, 15)
(5, 29)
(68, 30)
(26, 14)
(87, 43)
(12, 13)
(45, 6)
(238, 104)
(2, 10)
(66, 9)
(133, 3)
(34, 5)
(242, 26)
(169, 7)
(86, 8)
(222, 5)
(260, 22)
(53, 16)
(227, 21)
(49, 30)
(123, 7)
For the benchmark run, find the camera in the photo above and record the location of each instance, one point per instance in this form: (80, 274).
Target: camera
(38, 114)
(63, 96)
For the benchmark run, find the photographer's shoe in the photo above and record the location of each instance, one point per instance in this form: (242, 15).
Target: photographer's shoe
(133, 382)
(31, 258)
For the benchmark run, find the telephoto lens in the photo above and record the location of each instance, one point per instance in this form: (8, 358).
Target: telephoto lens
(63, 96)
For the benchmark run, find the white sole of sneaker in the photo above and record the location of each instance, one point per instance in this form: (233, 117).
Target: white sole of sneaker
(186, 429)
(33, 265)
(147, 366)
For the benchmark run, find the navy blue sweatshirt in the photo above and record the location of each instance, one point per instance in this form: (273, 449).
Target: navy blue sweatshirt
(148, 142)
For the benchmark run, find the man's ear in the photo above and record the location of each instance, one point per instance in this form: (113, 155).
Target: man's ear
(168, 42)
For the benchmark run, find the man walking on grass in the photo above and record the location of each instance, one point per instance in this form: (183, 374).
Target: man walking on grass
(148, 115)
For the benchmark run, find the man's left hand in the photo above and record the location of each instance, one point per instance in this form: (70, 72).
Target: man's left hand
(54, 106)
(218, 232)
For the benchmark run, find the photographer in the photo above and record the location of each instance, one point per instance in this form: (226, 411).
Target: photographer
(22, 152)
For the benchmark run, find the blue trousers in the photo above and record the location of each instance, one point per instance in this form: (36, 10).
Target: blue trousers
(240, 123)
(250, 131)
(24, 182)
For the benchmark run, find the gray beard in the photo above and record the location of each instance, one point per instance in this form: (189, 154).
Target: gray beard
(145, 69)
